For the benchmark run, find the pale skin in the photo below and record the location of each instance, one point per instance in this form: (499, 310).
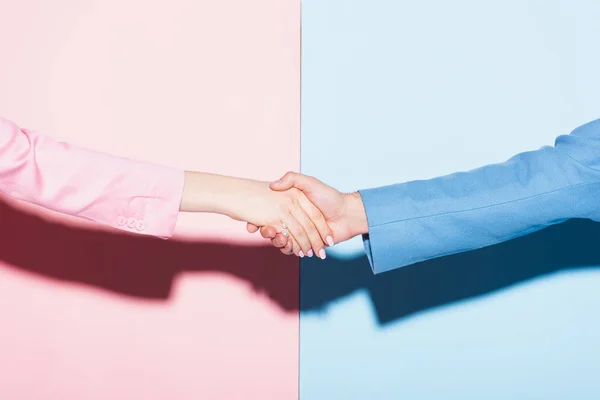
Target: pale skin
(344, 213)
(257, 204)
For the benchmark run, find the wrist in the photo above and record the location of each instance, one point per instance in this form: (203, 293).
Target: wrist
(355, 214)
(211, 193)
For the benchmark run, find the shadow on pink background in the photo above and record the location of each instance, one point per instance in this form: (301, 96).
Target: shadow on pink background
(90, 313)
(138, 267)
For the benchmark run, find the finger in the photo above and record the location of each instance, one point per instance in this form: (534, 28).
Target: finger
(287, 241)
(251, 228)
(316, 243)
(280, 241)
(268, 232)
(288, 248)
(288, 181)
(299, 235)
(291, 179)
(317, 218)
(284, 183)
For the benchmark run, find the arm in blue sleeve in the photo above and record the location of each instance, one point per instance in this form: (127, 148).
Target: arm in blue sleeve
(419, 220)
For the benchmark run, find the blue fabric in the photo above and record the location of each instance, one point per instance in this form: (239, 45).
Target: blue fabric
(419, 220)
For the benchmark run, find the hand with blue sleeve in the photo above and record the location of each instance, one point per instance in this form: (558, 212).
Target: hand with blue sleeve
(415, 221)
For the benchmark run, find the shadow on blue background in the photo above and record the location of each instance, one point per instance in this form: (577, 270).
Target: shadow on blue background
(405, 291)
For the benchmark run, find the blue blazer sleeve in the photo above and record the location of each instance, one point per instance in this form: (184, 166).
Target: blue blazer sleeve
(424, 219)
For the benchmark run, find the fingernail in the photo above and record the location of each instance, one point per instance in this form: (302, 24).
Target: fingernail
(329, 240)
(301, 254)
(322, 254)
(310, 253)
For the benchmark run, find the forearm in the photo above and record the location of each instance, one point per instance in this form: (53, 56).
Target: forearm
(213, 193)
(420, 220)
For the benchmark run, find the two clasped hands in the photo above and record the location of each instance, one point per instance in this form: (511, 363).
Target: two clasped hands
(298, 213)
(408, 222)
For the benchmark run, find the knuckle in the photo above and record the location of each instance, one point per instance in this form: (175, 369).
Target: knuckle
(281, 207)
(288, 203)
(315, 239)
(315, 215)
(302, 242)
(316, 234)
(289, 199)
(298, 232)
(317, 246)
(323, 231)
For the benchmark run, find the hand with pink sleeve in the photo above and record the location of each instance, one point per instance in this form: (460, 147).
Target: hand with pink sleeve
(146, 198)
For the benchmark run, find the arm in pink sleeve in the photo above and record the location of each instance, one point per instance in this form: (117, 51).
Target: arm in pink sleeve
(130, 195)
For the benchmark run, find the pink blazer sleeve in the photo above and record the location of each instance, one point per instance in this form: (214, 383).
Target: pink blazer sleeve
(129, 195)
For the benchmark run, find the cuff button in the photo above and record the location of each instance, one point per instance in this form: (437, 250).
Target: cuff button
(140, 226)
(131, 222)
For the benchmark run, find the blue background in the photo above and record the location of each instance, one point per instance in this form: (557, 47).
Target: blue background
(400, 90)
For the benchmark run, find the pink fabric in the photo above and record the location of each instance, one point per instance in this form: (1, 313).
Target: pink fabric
(129, 195)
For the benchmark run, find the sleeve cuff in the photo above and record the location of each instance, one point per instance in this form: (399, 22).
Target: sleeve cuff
(396, 238)
(155, 207)
(374, 243)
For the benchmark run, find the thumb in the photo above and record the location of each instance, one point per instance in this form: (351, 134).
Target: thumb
(290, 180)
(251, 228)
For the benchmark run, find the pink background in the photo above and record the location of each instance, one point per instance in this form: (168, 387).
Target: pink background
(87, 313)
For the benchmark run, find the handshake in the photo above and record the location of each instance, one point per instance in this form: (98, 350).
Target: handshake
(298, 213)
